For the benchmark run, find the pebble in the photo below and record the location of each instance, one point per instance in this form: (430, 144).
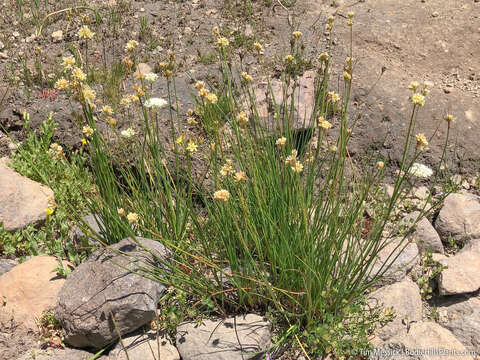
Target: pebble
(57, 36)
(15, 34)
(1, 45)
(435, 14)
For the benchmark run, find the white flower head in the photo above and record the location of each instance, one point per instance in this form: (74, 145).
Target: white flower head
(420, 170)
(156, 103)
(152, 77)
(128, 133)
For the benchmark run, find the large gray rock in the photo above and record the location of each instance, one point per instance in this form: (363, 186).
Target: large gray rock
(102, 287)
(463, 271)
(57, 354)
(6, 265)
(422, 340)
(404, 298)
(459, 217)
(462, 318)
(401, 255)
(144, 346)
(22, 201)
(239, 338)
(425, 234)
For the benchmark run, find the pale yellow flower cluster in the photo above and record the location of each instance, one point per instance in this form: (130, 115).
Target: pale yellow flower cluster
(333, 97)
(221, 195)
(324, 124)
(85, 33)
(242, 119)
(291, 160)
(422, 142)
(281, 141)
(56, 150)
(87, 131)
(297, 34)
(133, 218)
(246, 77)
(227, 168)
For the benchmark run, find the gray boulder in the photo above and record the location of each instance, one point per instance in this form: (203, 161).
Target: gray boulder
(104, 296)
(425, 234)
(463, 271)
(459, 217)
(404, 298)
(238, 338)
(462, 318)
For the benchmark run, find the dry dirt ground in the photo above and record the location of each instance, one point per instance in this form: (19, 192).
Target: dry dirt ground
(394, 43)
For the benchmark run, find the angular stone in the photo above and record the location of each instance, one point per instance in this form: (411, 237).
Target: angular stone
(463, 271)
(144, 346)
(22, 201)
(57, 354)
(304, 99)
(405, 255)
(105, 285)
(30, 288)
(462, 318)
(91, 221)
(404, 297)
(57, 36)
(6, 265)
(422, 338)
(236, 338)
(425, 234)
(459, 217)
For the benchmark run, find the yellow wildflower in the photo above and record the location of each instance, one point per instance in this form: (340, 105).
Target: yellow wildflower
(240, 176)
(111, 121)
(216, 31)
(120, 211)
(180, 139)
(132, 218)
(292, 158)
(227, 169)
(333, 96)
(203, 92)
(131, 45)
(221, 195)
(87, 131)
(331, 19)
(297, 34)
(85, 33)
(125, 101)
(191, 146)
(223, 42)
(167, 73)
(329, 27)
(289, 58)
(324, 124)
(380, 165)
(62, 84)
(347, 76)
(88, 93)
(333, 148)
(324, 57)
(418, 99)
(351, 14)
(350, 22)
(212, 98)
(107, 110)
(449, 118)
(297, 167)
(134, 98)
(246, 77)
(199, 85)
(79, 74)
(84, 141)
(68, 62)
(163, 65)
(414, 85)
(258, 47)
(422, 142)
(281, 142)
(191, 120)
(48, 211)
(242, 119)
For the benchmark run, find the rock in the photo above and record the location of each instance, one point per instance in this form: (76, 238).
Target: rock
(239, 338)
(423, 337)
(404, 298)
(101, 286)
(57, 36)
(144, 68)
(33, 279)
(425, 234)
(304, 102)
(459, 217)
(92, 221)
(421, 193)
(462, 318)
(463, 271)
(406, 258)
(6, 265)
(22, 201)
(57, 354)
(142, 346)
